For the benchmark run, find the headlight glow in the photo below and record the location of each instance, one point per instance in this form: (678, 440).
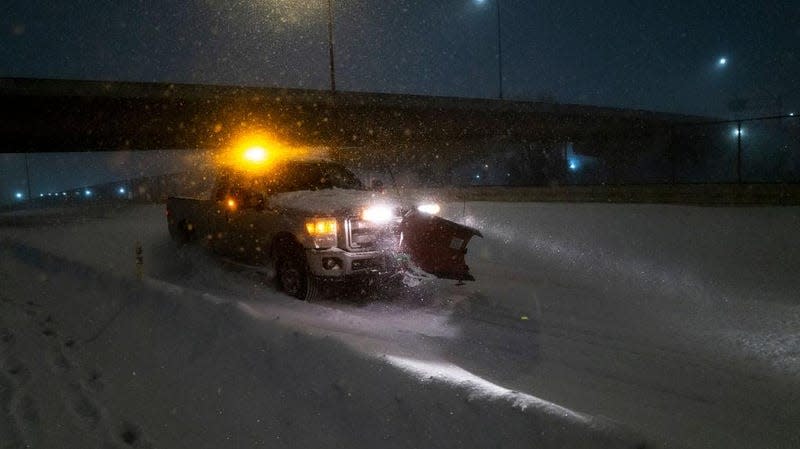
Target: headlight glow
(429, 208)
(378, 214)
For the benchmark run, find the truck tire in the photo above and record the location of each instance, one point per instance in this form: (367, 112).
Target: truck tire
(293, 276)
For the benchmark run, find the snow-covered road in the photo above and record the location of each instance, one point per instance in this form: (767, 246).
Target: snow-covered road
(608, 324)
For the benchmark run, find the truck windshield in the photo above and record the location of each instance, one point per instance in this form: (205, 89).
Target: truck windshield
(311, 176)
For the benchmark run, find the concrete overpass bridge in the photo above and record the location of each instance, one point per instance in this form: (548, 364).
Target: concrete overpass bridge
(66, 115)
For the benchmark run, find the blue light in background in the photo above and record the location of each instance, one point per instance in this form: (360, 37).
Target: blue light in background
(121, 190)
(574, 161)
(87, 192)
(18, 195)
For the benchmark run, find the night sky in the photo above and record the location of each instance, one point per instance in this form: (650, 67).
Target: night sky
(649, 55)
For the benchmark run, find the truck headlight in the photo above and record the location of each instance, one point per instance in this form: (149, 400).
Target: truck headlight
(378, 214)
(429, 208)
(321, 226)
(322, 231)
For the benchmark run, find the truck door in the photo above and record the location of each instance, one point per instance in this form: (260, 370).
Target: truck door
(223, 211)
(436, 245)
(251, 227)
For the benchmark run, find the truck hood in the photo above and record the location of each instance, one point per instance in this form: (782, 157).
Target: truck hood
(335, 202)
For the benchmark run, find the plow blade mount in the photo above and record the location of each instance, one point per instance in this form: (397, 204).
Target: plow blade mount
(437, 245)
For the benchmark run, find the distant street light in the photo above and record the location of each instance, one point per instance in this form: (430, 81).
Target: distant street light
(87, 192)
(18, 195)
(722, 62)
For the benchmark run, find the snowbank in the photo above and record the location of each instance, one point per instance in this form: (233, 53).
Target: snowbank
(155, 365)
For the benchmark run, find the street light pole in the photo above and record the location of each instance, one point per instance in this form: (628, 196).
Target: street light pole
(499, 52)
(739, 152)
(28, 177)
(331, 64)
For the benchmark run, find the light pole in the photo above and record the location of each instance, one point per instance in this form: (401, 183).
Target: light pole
(499, 51)
(28, 177)
(739, 151)
(331, 64)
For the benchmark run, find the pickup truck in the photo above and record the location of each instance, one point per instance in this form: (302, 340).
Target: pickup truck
(314, 221)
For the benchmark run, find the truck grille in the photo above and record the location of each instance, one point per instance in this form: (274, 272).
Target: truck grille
(362, 235)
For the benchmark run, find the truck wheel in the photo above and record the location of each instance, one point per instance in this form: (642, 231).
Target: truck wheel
(293, 276)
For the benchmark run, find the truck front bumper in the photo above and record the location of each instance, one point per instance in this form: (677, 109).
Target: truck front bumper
(336, 263)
